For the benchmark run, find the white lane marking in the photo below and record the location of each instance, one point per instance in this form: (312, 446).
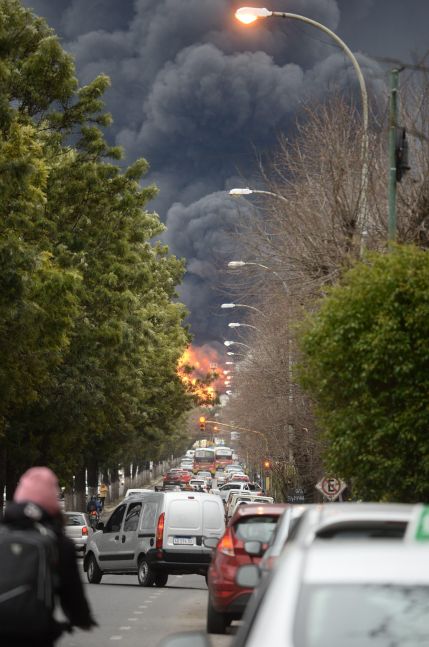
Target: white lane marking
(115, 637)
(125, 628)
(142, 606)
(138, 612)
(132, 619)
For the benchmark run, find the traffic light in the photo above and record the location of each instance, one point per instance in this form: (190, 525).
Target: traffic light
(267, 464)
(401, 153)
(202, 423)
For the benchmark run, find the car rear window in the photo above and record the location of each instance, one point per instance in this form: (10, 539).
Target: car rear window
(257, 528)
(75, 520)
(364, 530)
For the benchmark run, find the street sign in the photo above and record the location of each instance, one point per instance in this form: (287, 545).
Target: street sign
(331, 487)
(295, 495)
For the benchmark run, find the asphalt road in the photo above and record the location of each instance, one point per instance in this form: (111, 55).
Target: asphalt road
(132, 616)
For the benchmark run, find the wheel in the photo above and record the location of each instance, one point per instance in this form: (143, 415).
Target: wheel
(206, 577)
(144, 573)
(216, 622)
(161, 579)
(93, 572)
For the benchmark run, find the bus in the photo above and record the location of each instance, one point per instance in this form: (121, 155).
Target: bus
(223, 457)
(204, 460)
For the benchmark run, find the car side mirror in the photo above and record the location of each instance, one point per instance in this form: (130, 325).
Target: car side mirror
(211, 542)
(254, 548)
(248, 576)
(188, 639)
(100, 525)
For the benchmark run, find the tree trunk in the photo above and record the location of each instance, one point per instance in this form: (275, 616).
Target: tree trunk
(114, 489)
(12, 478)
(3, 463)
(80, 494)
(92, 471)
(127, 471)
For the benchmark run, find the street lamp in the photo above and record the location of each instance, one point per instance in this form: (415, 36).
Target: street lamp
(235, 324)
(248, 15)
(239, 343)
(248, 191)
(236, 264)
(242, 305)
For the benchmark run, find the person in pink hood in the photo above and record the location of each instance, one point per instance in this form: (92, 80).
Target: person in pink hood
(36, 506)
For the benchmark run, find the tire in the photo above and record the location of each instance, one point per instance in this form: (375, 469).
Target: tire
(216, 622)
(145, 574)
(93, 572)
(161, 579)
(206, 577)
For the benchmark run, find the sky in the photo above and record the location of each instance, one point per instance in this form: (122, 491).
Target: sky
(196, 93)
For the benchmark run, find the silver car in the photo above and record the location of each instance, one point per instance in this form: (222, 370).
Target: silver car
(77, 529)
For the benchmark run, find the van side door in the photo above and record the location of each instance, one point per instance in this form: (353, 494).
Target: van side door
(129, 536)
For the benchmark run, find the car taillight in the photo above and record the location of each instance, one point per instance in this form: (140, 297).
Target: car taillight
(160, 530)
(226, 544)
(84, 531)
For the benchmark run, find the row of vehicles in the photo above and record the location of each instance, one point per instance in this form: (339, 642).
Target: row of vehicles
(338, 574)
(212, 459)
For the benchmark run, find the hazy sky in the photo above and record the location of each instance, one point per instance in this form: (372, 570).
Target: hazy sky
(194, 92)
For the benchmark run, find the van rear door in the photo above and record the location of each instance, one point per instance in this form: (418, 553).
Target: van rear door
(183, 523)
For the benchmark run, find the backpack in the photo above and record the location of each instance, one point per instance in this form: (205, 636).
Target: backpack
(28, 560)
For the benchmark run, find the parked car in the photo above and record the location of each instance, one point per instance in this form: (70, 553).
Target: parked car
(154, 535)
(227, 600)
(78, 529)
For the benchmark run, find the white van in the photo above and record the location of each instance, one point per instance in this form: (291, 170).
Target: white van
(154, 535)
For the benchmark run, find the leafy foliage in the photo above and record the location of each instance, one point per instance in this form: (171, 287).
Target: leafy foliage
(366, 364)
(86, 296)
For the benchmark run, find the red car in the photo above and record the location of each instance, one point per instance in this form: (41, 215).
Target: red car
(227, 600)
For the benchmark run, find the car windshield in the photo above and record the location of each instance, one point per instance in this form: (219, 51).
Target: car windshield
(75, 520)
(257, 528)
(361, 615)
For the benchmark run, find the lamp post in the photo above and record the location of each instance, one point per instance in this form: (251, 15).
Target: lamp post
(235, 324)
(239, 343)
(248, 15)
(241, 305)
(248, 191)
(236, 264)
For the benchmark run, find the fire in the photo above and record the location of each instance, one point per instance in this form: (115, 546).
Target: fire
(199, 370)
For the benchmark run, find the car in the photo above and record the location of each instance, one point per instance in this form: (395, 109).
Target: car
(223, 491)
(78, 529)
(240, 498)
(219, 477)
(198, 484)
(348, 593)
(134, 491)
(154, 535)
(227, 601)
(204, 475)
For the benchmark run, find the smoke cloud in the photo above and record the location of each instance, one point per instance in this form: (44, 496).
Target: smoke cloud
(195, 93)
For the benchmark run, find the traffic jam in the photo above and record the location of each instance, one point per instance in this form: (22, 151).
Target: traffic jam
(306, 575)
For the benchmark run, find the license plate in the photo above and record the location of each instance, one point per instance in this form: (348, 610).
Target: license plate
(183, 540)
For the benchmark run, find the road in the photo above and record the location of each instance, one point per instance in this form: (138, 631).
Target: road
(132, 616)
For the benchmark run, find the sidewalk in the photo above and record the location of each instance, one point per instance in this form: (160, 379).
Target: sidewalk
(109, 507)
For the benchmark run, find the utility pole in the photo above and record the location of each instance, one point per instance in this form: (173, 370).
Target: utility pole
(393, 123)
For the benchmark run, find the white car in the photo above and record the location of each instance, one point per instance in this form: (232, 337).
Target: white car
(238, 486)
(198, 484)
(336, 594)
(240, 498)
(135, 491)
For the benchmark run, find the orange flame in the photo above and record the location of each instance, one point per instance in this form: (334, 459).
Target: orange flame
(195, 365)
